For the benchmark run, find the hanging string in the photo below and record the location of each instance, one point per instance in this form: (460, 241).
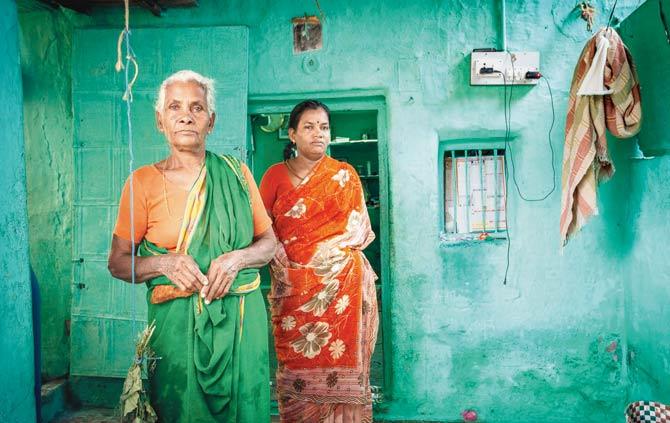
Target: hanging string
(130, 56)
(135, 403)
(323, 15)
(609, 21)
(128, 98)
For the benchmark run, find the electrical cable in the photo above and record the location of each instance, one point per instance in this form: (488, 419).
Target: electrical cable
(508, 127)
(551, 148)
(507, 111)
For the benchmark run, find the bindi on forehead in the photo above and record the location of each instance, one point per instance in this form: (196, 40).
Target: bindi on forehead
(315, 119)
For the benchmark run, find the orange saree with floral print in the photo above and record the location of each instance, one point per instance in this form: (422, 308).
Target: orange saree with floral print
(323, 302)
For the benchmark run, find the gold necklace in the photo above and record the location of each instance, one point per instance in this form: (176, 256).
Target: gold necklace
(294, 173)
(165, 196)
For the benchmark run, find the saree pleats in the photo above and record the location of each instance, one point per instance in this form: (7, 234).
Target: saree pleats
(213, 364)
(323, 299)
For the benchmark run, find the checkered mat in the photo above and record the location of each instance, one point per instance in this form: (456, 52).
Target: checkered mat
(647, 412)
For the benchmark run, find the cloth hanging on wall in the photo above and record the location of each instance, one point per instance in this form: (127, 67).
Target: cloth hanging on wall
(594, 81)
(586, 160)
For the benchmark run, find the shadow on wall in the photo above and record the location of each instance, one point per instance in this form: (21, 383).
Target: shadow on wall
(619, 201)
(37, 336)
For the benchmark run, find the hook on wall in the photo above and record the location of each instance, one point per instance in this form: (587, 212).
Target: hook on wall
(588, 13)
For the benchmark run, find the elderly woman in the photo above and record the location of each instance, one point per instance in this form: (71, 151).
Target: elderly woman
(201, 233)
(323, 302)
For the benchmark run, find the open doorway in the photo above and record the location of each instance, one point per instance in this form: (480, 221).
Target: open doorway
(358, 136)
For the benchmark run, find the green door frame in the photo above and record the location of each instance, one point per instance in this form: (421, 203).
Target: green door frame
(341, 101)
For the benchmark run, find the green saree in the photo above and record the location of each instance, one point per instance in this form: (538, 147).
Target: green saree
(213, 364)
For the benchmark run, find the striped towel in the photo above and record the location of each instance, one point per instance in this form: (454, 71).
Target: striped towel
(585, 156)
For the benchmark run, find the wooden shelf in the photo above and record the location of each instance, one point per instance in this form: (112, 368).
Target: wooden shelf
(370, 141)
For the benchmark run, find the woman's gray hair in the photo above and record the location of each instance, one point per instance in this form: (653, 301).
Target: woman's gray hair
(207, 84)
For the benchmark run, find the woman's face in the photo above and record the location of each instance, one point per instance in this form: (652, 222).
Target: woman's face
(312, 135)
(185, 119)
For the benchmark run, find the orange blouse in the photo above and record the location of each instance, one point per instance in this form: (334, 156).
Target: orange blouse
(159, 207)
(275, 182)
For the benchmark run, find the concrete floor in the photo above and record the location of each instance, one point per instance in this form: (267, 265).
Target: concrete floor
(93, 415)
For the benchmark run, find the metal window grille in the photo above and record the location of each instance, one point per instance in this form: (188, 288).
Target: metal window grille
(474, 194)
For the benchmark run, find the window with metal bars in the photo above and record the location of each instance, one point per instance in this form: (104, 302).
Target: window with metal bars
(474, 194)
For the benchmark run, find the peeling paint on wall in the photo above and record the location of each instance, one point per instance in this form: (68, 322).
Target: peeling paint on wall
(16, 325)
(45, 55)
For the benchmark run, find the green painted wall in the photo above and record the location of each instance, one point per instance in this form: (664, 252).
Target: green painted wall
(647, 288)
(550, 345)
(644, 35)
(16, 326)
(45, 56)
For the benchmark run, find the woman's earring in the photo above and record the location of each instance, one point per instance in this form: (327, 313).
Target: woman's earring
(294, 147)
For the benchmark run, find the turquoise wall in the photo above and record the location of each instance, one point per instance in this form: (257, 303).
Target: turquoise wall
(550, 345)
(45, 58)
(647, 288)
(645, 37)
(17, 404)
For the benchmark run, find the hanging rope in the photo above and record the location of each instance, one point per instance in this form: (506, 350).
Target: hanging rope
(128, 98)
(130, 56)
(134, 401)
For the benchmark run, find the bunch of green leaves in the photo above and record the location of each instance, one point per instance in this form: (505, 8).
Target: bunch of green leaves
(135, 405)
